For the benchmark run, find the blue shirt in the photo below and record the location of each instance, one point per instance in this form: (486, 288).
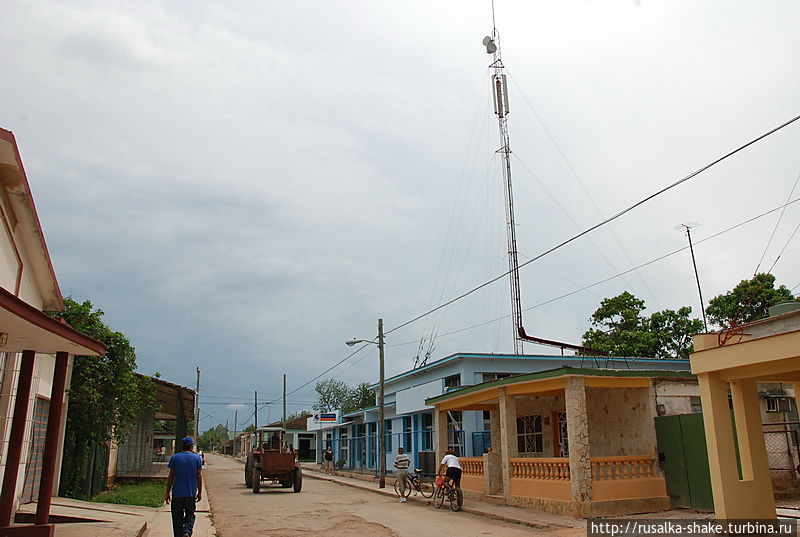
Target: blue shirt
(185, 464)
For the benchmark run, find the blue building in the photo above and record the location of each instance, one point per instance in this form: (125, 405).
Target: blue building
(410, 423)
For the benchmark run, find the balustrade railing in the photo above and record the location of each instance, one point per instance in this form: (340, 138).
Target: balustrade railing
(624, 467)
(472, 465)
(540, 468)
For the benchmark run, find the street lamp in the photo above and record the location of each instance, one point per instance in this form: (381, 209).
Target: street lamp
(381, 423)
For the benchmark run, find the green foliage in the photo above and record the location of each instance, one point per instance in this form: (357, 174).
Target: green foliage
(213, 438)
(298, 415)
(150, 494)
(747, 302)
(335, 394)
(105, 395)
(250, 428)
(620, 329)
(360, 397)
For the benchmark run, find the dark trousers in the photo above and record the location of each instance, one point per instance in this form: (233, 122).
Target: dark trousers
(182, 516)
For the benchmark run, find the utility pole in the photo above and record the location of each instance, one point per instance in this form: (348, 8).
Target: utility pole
(284, 400)
(688, 226)
(197, 407)
(235, 425)
(255, 408)
(382, 423)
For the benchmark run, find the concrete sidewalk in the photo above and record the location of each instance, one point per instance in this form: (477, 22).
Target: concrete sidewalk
(161, 523)
(506, 513)
(78, 518)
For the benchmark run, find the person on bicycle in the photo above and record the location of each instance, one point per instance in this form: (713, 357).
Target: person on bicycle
(450, 467)
(401, 463)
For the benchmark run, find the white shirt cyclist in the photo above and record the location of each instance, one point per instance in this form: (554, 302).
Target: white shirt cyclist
(451, 461)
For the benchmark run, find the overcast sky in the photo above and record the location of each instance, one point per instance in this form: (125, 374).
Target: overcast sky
(242, 186)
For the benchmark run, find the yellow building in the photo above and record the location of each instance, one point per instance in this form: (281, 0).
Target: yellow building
(570, 440)
(729, 366)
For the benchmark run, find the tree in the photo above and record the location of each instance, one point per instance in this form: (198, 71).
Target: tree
(106, 396)
(298, 415)
(360, 397)
(620, 329)
(333, 395)
(213, 438)
(747, 302)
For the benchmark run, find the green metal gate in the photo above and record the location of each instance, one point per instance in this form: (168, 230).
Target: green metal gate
(684, 459)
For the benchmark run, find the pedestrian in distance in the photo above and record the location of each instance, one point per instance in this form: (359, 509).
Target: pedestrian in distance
(327, 461)
(401, 463)
(185, 486)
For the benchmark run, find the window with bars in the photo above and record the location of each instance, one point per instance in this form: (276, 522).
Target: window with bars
(529, 434)
(455, 432)
(407, 430)
(453, 381)
(779, 404)
(495, 376)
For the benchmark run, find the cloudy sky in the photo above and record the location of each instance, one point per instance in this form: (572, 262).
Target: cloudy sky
(242, 186)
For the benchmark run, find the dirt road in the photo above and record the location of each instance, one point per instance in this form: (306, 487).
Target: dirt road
(333, 510)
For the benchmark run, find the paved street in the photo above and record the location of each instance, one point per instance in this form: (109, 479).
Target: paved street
(333, 510)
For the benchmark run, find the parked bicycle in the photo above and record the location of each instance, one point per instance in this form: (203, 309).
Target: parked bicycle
(448, 492)
(416, 481)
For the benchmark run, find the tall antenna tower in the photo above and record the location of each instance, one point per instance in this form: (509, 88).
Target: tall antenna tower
(501, 110)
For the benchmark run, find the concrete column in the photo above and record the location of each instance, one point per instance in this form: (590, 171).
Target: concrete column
(440, 426)
(580, 467)
(750, 497)
(492, 473)
(494, 429)
(508, 437)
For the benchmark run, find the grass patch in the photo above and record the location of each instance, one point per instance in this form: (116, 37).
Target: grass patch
(149, 494)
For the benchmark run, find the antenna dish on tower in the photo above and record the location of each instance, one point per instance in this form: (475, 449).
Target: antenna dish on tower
(490, 45)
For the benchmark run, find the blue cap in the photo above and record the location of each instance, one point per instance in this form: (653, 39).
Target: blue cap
(187, 441)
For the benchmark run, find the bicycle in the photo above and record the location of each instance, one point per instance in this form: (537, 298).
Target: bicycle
(453, 494)
(416, 481)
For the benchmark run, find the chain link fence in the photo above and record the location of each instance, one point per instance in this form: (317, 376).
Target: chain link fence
(782, 443)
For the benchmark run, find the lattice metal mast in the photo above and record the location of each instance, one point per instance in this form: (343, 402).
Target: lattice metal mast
(501, 110)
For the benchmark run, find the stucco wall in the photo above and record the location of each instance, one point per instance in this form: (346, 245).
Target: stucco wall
(620, 421)
(675, 395)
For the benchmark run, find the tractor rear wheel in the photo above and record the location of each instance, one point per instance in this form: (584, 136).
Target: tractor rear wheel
(248, 473)
(256, 480)
(298, 480)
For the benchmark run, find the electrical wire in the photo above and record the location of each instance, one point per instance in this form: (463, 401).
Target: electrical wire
(585, 190)
(599, 224)
(778, 223)
(605, 280)
(783, 249)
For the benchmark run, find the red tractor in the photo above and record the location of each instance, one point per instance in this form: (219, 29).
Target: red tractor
(271, 461)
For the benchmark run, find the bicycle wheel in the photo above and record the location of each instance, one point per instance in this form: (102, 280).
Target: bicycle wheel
(438, 497)
(426, 486)
(456, 499)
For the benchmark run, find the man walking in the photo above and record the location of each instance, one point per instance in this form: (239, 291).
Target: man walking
(327, 459)
(185, 482)
(401, 463)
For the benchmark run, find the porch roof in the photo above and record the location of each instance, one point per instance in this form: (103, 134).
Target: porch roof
(28, 328)
(481, 396)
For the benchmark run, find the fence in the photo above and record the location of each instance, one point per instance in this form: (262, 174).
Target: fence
(361, 452)
(783, 453)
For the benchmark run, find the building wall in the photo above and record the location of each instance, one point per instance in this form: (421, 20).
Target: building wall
(620, 422)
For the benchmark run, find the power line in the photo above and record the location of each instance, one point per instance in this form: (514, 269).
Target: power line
(778, 223)
(599, 224)
(783, 249)
(605, 280)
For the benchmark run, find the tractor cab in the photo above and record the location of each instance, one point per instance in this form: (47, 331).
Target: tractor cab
(271, 439)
